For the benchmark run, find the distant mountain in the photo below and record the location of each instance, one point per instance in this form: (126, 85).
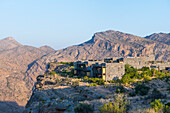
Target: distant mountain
(47, 49)
(15, 60)
(8, 43)
(160, 37)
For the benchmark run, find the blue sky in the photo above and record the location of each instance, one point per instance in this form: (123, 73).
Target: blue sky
(62, 23)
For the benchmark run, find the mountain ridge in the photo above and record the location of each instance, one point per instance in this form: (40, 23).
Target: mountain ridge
(20, 64)
(160, 37)
(97, 48)
(14, 61)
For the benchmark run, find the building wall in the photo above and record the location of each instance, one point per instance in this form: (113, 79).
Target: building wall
(117, 70)
(114, 71)
(160, 65)
(138, 62)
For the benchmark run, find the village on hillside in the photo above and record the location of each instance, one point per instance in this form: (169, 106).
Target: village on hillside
(111, 85)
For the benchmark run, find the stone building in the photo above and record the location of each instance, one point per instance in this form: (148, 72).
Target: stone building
(98, 71)
(106, 71)
(138, 62)
(82, 69)
(111, 68)
(114, 71)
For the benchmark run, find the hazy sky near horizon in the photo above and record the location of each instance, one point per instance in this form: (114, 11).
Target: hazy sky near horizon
(62, 23)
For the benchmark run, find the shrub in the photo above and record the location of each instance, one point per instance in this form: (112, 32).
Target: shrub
(69, 63)
(84, 108)
(126, 79)
(96, 80)
(75, 83)
(166, 109)
(142, 89)
(119, 105)
(53, 72)
(101, 82)
(157, 105)
(93, 84)
(132, 94)
(147, 78)
(120, 89)
(144, 68)
(86, 78)
(156, 94)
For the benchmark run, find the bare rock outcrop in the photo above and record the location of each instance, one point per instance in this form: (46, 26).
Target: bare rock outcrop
(15, 60)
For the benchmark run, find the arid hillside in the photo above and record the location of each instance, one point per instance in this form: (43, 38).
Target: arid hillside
(104, 44)
(160, 37)
(15, 59)
(20, 64)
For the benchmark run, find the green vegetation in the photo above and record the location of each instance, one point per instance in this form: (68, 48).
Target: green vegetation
(118, 105)
(69, 63)
(94, 80)
(120, 89)
(157, 105)
(130, 74)
(144, 69)
(66, 73)
(142, 89)
(84, 108)
(53, 73)
(75, 83)
(93, 84)
(133, 75)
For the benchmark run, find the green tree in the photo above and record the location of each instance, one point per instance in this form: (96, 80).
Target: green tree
(157, 105)
(142, 89)
(118, 105)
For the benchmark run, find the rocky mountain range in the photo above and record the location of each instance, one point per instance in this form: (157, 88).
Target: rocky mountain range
(21, 64)
(14, 61)
(160, 37)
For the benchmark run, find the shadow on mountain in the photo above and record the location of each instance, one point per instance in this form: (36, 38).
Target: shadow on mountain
(10, 107)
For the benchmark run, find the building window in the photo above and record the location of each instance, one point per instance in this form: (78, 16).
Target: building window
(104, 70)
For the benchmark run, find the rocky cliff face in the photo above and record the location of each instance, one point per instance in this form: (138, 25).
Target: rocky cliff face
(15, 60)
(58, 93)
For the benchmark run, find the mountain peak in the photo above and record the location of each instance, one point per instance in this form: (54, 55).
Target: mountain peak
(9, 38)
(47, 48)
(113, 36)
(8, 43)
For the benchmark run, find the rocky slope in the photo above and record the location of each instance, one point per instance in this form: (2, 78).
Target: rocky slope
(15, 59)
(20, 65)
(8, 43)
(102, 45)
(160, 37)
(53, 93)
